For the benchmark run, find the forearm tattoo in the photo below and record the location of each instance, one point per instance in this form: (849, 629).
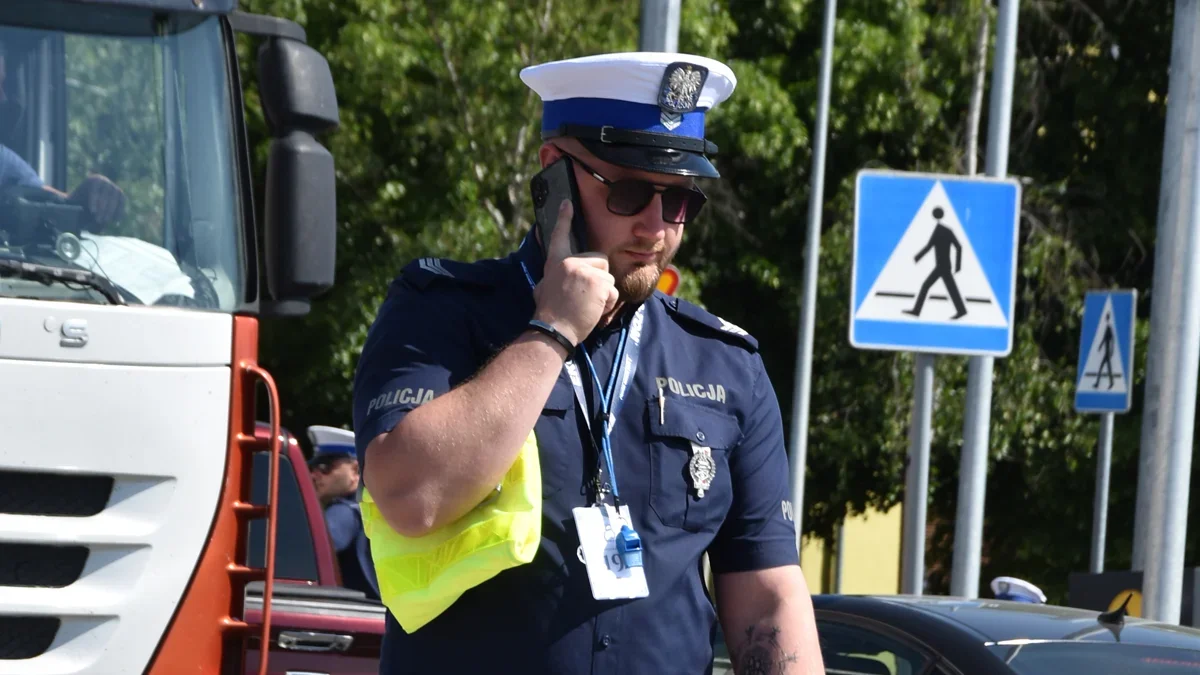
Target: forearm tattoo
(761, 653)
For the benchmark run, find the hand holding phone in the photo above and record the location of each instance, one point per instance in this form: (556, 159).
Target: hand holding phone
(577, 288)
(548, 188)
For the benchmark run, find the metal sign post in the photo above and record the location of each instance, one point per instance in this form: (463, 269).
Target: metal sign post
(798, 452)
(1169, 406)
(658, 26)
(935, 273)
(916, 479)
(972, 473)
(1104, 384)
(1100, 500)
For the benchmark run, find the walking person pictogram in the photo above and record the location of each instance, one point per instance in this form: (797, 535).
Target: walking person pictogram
(941, 241)
(1106, 345)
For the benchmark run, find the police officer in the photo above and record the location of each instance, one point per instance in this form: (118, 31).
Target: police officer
(656, 423)
(335, 475)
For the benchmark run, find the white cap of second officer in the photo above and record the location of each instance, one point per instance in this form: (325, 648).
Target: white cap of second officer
(1018, 590)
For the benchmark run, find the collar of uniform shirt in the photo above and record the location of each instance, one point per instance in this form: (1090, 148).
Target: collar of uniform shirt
(532, 264)
(531, 259)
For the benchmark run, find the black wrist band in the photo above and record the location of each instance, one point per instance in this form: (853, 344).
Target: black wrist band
(543, 327)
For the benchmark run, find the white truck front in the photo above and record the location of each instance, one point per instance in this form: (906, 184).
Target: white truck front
(128, 321)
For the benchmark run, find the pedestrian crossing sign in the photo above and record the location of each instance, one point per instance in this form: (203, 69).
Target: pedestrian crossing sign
(935, 263)
(1104, 382)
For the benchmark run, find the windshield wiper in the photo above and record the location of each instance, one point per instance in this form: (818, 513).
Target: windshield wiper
(48, 274)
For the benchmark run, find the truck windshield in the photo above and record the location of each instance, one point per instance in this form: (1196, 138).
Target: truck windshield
(116, 156)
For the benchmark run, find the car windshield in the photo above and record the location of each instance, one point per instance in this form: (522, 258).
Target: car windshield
(116, 156)
(1055, 658)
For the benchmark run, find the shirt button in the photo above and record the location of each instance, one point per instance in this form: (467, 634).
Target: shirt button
(700, 436)
(605, 641)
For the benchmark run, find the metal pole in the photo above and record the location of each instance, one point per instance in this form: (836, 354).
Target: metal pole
(1159, 406)
(972, 473)
(1162, 580)
(802, 389)
(658, 26)
(1100, 501)
(916, 481)
(972, 480)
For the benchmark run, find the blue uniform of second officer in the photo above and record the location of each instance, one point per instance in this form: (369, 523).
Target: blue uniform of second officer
(447, 378)
(335, 475)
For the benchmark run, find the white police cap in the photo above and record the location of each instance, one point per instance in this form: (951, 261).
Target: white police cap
(330, 443)
(643, 110)
(1018, 590)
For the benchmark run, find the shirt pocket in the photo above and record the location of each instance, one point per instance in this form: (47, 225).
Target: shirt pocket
(675, 438)
(556, 436)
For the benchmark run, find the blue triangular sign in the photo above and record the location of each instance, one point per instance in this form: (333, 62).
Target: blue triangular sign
(1104, 380)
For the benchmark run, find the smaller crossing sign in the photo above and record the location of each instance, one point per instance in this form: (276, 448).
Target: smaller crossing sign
(1104, 382)
(935, 259)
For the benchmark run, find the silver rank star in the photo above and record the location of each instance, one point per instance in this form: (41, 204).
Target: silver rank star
(702, 469)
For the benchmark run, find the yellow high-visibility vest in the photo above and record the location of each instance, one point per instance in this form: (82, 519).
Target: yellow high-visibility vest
(420, 577)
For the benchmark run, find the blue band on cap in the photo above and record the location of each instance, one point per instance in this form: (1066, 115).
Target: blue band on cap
(599, 112)
(1017, 597)
(336, 449)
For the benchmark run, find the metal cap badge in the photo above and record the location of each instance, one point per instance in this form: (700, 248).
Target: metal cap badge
(679, 91)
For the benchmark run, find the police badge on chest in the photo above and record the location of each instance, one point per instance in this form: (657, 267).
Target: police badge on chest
(702, 469)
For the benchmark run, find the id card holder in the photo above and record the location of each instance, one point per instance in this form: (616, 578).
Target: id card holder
(610, 578)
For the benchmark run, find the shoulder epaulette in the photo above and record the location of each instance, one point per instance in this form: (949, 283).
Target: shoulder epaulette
(686, 311)
(423, 272)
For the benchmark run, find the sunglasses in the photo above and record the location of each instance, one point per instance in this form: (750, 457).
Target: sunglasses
(630, 196)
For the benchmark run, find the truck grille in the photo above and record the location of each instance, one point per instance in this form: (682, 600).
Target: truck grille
(27, 493)
(24, 637)
(41, 565)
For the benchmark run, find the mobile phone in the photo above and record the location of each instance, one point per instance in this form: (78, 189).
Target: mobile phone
(548, 188)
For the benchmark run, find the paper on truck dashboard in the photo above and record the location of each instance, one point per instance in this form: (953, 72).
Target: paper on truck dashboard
(146, 270)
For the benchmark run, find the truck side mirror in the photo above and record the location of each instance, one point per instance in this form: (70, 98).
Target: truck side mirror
(300, 211)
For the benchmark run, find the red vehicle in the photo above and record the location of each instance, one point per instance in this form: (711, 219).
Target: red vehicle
(317, 626)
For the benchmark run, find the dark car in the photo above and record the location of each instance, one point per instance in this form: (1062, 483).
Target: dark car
(932, 635)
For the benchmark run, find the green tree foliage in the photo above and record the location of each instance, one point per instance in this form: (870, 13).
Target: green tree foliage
(1086, 140)
(115, 103)
(1087, 133)
(438, 140)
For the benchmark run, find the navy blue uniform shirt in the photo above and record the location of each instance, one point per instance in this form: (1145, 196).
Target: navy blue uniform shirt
(440, 323)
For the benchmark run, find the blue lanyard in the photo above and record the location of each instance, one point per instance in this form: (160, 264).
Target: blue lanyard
(624, 366)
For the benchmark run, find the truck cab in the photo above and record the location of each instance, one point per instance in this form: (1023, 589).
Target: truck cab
(138, 251)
